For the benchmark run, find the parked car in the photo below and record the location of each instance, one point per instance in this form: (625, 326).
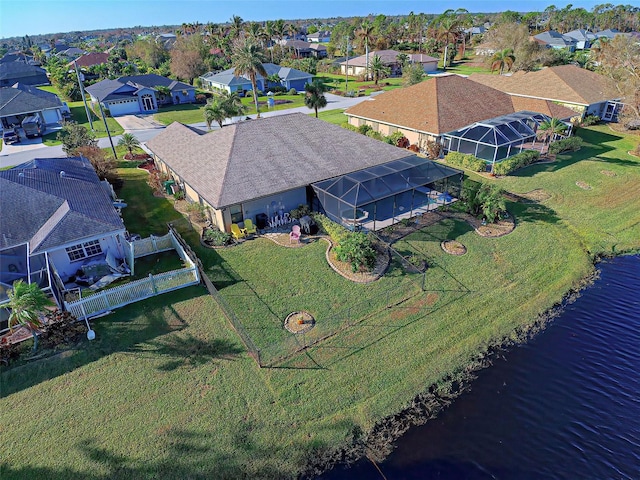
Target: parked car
(32, 126)
(10, 135)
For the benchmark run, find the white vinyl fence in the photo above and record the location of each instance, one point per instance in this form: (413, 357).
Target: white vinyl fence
(137, 290)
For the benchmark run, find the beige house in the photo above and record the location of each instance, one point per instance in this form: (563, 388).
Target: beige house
(439, 105)
(583, 91)
(357, 66)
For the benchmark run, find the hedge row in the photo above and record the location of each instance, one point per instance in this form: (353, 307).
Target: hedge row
(466, 160)
(571, 143)
(336, 231)
(508, 165)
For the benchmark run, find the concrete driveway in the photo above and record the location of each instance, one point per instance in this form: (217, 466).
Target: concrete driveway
(131, 123)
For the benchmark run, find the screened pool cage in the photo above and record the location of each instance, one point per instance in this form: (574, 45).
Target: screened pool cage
(379, 196)
(498, 138)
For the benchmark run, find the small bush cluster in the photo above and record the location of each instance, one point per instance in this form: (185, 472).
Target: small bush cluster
(201, 98)
(198, 211)
(216, 237)
(335, 231)
(572, 143)
(590, 120)
(466, 160)
(357, 249)
(301, 211)
(515, 162)
(376, 135)
(293, 91)
(483, 199)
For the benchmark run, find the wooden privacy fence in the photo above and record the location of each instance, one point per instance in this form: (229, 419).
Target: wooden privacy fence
(137, 290)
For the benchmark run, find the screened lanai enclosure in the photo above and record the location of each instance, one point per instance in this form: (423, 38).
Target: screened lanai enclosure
(379, 196)
(498, 138)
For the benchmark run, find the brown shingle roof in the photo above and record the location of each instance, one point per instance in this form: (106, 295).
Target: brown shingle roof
(565, 83)
(542, 106)
(438, 105)
(90, 59)
(257, 158)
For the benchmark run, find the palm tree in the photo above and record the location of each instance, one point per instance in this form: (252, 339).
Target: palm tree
(214, 111)
(232, 104)
(314, 95)
(247, 60)
(501, 59)
(550, 129)
(379, 69)
(129, 141)
(26, 302)
(403, 59)
(365, 34)
(236, 26)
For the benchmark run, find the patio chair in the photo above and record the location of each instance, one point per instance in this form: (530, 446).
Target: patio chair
(295, 234)
(249, 227)
(236, 232)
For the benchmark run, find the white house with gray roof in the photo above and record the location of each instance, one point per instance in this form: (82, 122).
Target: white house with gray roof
(57, 217)
(228, 81)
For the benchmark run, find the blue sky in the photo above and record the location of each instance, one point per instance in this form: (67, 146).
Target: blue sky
(31, 17)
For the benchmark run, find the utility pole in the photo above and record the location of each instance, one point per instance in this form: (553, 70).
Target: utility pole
(104, 118)
(84, 98)
(346, 69)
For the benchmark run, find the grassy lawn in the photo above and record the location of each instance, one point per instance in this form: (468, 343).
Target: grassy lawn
(79, 115)
(192, 113)
(339, 82)
(167, 391)
(337, 116)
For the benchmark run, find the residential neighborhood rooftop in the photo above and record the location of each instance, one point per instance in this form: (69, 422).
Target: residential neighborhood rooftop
(257, 158)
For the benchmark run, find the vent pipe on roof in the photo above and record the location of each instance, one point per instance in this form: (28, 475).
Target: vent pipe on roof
(62, 174)
(21, 174)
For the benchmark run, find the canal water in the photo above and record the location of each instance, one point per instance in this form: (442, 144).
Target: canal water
(564, 406)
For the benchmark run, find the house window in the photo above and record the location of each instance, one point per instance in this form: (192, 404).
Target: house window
(84, 250)
(236, 213)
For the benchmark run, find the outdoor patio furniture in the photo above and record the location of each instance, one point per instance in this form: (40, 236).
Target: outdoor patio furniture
(236, 232)
(249, 227)
(295, 234)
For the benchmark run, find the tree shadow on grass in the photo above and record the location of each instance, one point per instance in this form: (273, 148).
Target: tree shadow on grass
(533, 212)
(187, 351)
(117, 333)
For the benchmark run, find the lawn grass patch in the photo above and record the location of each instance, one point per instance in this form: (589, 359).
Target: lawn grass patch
(335, 116)
(167, 390)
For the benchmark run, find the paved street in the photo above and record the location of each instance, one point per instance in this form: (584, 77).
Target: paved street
(144, 128)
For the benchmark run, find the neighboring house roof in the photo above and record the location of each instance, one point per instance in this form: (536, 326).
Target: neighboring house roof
(564, 83)
(554, 38)
(131, 85)
(258, 158)
(608, 33)
(11, 71)
(388, 57)
(16, 57)
(581, 35)
(475, 30)
(228, 78)
(71, 52)
(22, 99)
(438, 105)
(151, 80)
(318, 47)
(547, 107)
(90, 59)
(421, 58)
(48, 209)
(318, 35)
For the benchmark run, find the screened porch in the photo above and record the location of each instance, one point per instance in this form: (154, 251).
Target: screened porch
(498, 138)
(379, 196)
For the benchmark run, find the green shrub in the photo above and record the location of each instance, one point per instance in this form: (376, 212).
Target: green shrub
(364, 129)
(300, 212)
(394, 138)
(376, 135)
(293, 91)
(590, 120)
(356, 248)
(179, 195)
(198, 211)
(216, 237)
(511, 164)
(348, 126)
(571, 143)
(335, 231)
(467, 161)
